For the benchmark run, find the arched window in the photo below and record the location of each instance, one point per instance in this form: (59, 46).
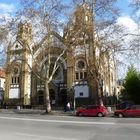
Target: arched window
(15, 75)
(80, 70)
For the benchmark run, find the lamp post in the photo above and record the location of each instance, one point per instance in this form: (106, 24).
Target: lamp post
(74, 101)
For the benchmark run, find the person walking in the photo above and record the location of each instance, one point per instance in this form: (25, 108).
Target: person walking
(68, 106)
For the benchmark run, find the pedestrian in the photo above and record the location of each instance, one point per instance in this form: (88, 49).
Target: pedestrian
(5, 105)
(68, 106)
(53, 102)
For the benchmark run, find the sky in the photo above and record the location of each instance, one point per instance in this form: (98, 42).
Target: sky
(5, 4)
(124, 5)
(9, 6)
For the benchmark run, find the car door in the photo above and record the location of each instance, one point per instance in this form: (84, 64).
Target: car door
(137, 111)
(91, 110)
(131, 112)
(94, 110)
(128, 112)
(87, 111)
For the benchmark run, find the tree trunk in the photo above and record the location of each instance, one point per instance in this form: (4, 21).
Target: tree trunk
(99, 97)
(47, 96)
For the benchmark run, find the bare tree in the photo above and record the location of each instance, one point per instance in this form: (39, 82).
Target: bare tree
(135, 4)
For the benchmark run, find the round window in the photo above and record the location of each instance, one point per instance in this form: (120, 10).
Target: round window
(81, 64)
(15, 70)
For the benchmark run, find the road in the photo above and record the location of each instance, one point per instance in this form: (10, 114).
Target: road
(47, 127)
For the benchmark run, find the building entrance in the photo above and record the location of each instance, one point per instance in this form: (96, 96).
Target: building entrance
(63, 97)
(41, 97)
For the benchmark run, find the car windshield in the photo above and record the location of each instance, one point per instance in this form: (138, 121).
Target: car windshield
(128, 107)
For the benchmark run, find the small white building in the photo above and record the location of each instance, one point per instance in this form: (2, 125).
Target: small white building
(2, 84)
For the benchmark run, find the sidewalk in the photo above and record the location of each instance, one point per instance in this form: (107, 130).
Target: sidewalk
(42, 112)
(36, 111)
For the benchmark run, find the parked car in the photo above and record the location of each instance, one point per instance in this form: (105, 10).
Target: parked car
(124, 105)
(92, 110)
(132, 111)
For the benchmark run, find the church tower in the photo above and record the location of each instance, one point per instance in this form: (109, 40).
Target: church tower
(24, 32)
(89, 70)
(18, 73)
(79, 34)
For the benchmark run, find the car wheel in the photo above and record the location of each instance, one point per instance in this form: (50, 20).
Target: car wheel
(120, 115)
(100, 114)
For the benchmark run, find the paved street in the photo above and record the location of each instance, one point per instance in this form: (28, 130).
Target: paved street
(51, 127)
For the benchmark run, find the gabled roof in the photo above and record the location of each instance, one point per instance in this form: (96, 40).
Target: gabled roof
(17, 45)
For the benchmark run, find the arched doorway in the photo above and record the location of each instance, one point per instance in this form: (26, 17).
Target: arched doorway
(63, 97)
(40, 100)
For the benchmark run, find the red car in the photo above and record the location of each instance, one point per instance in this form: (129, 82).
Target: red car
(92, 110)
(132, 111)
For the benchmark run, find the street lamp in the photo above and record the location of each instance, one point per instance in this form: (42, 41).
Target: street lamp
(74, 101)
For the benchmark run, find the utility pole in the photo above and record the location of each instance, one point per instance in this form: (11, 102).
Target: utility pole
(74, 100)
